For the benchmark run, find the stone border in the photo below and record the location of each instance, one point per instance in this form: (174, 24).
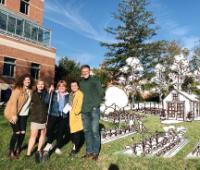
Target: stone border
(193, 156)
(111, 139)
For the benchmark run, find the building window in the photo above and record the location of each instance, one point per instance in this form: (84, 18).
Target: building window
(175, 96)
(24, 6)
(2, 1)
(9, 67)
(19, 27)
(11, 24)
(27, 29)
(3, 20)
(35, 69)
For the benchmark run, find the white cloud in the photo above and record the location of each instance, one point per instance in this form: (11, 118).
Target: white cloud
(70, 17)
(83, 57)
(180, 31)
(173, 28)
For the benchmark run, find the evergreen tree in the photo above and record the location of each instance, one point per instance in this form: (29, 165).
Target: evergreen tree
(67, 69)
(195, 61)
(133, 36)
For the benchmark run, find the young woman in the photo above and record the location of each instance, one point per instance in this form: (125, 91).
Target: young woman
(16, 112)
(38, 118)
(76, 125)
(58, 117)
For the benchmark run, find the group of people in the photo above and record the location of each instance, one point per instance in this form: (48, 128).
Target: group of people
(57, 114)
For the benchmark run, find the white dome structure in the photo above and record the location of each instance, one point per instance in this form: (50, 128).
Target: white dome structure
(115, 98)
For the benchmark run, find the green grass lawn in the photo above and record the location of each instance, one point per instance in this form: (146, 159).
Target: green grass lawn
(108, 154)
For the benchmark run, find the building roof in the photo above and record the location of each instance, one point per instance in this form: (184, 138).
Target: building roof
(191, 97)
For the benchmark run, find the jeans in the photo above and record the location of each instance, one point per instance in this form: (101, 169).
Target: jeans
(91, 131)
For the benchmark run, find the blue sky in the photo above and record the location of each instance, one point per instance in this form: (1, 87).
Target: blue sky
(78, 25)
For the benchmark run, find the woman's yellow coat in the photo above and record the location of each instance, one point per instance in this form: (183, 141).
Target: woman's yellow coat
(75, 118)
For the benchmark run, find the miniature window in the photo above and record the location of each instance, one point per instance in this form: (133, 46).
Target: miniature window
(175, 96)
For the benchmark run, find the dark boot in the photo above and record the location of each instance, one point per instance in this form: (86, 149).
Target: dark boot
(87, 155)
(45, 156)
(95, 157)
(73, 152)
(17, 153)
(11, 154)
(38, 157)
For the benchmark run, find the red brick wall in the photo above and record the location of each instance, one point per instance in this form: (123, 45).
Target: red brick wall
(27, 43)
(1, 65)
(36, 9)
(23, 62)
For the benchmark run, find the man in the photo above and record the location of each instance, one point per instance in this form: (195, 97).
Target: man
(93, 94)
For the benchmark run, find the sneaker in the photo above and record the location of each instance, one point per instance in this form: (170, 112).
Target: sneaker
(48, 147)
(58, 151)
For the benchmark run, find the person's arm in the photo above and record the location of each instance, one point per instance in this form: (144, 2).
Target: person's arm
(33, 100)
(49, 94)
(47, 98)
(100, 90)
(77, 107)
(12, 106)
(50, 100)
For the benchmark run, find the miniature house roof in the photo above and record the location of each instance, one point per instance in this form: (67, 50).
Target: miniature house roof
(191, 97)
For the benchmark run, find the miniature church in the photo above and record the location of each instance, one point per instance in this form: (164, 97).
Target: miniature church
(180, 105)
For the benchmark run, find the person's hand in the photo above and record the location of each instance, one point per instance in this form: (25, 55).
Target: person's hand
(51, 89)
(13, 120)
(70, 108)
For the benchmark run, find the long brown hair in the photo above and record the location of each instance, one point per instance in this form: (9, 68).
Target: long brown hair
(20, 81)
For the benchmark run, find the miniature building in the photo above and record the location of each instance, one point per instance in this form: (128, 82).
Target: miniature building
(25, 46)
(179, 104)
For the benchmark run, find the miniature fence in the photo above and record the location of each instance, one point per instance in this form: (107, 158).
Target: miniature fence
(161, 144)
(150, 108)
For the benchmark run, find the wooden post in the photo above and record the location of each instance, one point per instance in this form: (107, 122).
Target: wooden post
(150, 108)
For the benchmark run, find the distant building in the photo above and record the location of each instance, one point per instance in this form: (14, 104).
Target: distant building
(179, 104)
(25, 46)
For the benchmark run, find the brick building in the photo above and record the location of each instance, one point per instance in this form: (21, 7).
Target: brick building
(25, 45)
